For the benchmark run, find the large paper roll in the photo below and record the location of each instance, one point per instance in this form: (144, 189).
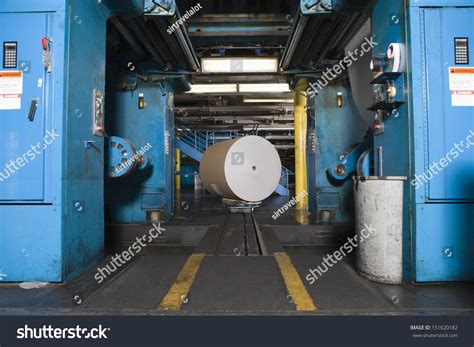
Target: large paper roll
(247, 168)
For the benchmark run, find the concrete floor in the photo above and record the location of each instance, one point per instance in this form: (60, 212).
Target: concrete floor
(232, 284)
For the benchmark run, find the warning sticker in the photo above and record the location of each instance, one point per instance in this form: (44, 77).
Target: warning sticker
(461, 85)
(11, 89)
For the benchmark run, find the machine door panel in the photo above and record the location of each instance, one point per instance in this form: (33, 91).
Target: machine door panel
(22, 106)
(449, 40)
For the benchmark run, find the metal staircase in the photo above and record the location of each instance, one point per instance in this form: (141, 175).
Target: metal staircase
(194, 143)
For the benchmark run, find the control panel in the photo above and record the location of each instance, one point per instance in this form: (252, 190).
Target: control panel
(10, 55)
(461, 50)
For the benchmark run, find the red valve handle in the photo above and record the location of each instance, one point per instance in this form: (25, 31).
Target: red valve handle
(44, 43)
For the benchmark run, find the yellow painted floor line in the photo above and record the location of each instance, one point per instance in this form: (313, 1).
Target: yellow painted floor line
(294, 284)
(178, 292)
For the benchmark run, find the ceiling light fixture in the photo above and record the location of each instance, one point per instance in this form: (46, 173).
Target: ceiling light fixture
(239, 65)
(212, 88)
(269, 101)
(264, 88)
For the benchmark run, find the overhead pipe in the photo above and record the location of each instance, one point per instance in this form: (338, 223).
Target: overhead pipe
(270, 128)
(118, 25)
(152, 41)
(172, 45)
(138, 33)
(236, 117)
(187, 50)
(293, 41)
(185, 43)
(312, 20)
(342, 35)
(351, 5)
(249, 109)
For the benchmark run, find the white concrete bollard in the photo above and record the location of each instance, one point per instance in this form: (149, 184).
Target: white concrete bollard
(379, 205)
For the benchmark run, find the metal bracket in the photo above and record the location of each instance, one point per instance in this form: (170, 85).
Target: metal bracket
(340, 170)
(160, 8)
(309, 7)
(379, 125)
(98, 113)
(387, 106)
(385, 76)
(90, 145)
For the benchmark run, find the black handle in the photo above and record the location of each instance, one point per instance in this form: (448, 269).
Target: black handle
(33, 107)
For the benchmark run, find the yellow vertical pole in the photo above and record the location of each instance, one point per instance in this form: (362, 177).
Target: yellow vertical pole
(301, 180)
(177, 169)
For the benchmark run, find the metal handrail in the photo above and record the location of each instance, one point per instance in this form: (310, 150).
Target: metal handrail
(285, 177)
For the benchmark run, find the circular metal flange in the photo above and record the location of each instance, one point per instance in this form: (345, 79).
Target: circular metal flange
(120, 157)
(338, 171)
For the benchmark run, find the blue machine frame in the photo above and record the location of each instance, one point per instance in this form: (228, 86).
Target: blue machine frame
(389, 26)
(130, 199)
(443, 206)
(333, 133)
(438, 224)
(51, 213)
(52, 206)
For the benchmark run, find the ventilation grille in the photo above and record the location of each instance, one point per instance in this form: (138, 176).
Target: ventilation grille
(153, 201)
(328, 201)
